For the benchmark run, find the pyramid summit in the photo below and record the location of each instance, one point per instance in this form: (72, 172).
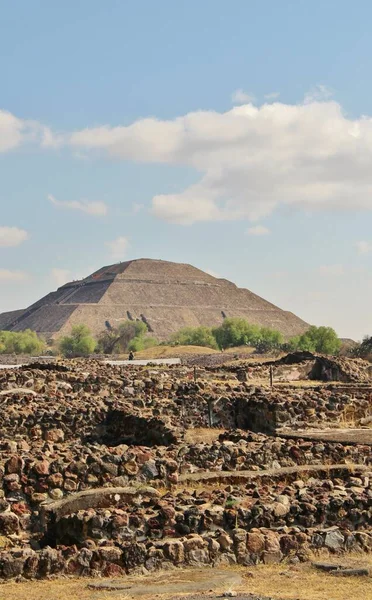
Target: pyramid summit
(165, 295)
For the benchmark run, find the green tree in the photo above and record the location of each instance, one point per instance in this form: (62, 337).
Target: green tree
(363, 350)
(130, 335)
(323, 340)
(142, 343)
(21, 342)
(195, 336)
(270, 339)
(236, 331)
(79, 343)
(292, 344)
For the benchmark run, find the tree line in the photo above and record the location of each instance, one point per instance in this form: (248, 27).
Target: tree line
(133, 336)
(235, 332)
(129, 335)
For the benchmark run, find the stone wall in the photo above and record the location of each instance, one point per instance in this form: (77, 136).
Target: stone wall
(81, 442)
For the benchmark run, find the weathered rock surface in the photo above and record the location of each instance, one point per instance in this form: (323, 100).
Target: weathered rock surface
(93, 480)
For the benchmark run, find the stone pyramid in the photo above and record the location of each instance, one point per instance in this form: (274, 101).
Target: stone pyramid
(164, 295)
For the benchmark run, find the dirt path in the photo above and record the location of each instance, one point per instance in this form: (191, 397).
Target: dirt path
(343, 436)
(183, 581)
(263, 582)
(229, 476)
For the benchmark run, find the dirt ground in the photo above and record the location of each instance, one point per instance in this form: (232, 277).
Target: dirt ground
(279, 582)
(353, 436)
(202, 435)
(171, 351)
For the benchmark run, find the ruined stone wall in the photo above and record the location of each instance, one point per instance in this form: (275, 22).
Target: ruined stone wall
(222, 527)
(81, 442)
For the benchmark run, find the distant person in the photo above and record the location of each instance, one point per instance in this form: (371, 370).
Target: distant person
(131, 355)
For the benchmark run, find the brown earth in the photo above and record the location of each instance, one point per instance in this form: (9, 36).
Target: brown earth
(277, 582)
(346, 436)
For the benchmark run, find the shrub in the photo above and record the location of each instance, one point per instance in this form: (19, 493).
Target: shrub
(195, 336)
(363, 350)
(141, 343)
(130, 335)
(237, 332)
(317, 339)
(79, 343)
(21, 342)
(270, 339)
(232, 332)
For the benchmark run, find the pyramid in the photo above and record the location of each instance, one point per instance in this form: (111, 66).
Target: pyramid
(165, 295)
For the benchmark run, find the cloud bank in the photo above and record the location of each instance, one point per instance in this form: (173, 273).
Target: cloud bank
(252, 160)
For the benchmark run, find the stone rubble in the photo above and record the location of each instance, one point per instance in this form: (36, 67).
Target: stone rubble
(75, 435)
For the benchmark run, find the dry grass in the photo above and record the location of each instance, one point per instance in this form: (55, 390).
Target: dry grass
(202, 434)
(60, 589)
(301, 383)
(304, 582)
(240, 350)
(172, 351)
(284, 582)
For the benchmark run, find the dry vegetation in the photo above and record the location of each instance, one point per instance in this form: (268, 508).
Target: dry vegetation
(202, 435)
(304, 582)
(282, 582)
(172, 351)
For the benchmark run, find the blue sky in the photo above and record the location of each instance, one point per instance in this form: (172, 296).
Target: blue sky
(235, 136)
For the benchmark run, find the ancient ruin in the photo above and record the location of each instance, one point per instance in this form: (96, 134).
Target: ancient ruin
(166, 296)
(109, 470)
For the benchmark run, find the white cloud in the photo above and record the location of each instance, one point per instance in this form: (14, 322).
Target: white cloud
(118, 248)
(188, 207)
(364, 247)
(14, 132)
(50, 139)
(12, 236)
(12, 276)
(251, 159)
(331, 270)
(11, 131)
(241, 97)
(318, 93)
(272, 96)
(258, 230)
(97, 209)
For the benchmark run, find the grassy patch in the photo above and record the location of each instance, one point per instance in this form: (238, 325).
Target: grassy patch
(173, 351)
